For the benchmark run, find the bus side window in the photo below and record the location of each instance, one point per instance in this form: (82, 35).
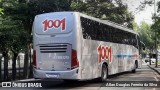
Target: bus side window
(109, 29)
(83, 27)
(86, 28)
(96, 27)
(103, 35)
(116, 35)
(93, 30)
(99, 31)
(89, 29)
(106, 31)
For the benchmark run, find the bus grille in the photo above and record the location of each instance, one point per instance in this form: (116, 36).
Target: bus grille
(58, 48)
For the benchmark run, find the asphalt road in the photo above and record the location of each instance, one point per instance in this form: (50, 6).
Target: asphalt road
(125, 81)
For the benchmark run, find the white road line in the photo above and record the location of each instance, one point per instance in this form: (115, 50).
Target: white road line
(154, 89)
(156, 78)
(157, 75)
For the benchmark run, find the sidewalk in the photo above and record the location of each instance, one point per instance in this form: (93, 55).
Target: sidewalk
(156, 69)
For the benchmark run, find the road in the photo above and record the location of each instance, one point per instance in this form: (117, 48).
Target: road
(143, 74)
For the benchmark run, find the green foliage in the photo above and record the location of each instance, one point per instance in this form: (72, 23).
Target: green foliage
(1, 11)
(135, 27)
(105, 9)
(18, 16)
(43, 6)
(156, 25)
(156, 28)
(144, 4)
(147, 35)
(12, 36)
(26, 11)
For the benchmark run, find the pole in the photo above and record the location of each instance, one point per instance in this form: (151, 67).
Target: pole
(155, 34)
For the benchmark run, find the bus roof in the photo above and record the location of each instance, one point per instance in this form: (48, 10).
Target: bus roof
(107, 22)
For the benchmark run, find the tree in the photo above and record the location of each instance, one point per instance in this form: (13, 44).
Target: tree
(105, 9)
(1, 12)
(143, 4)
(4, 46)
(136, 27)
(23, 12)
(12, 38)
(156, 28)
(147, 35)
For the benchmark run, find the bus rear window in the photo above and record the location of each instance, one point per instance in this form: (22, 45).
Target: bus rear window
(53, 23)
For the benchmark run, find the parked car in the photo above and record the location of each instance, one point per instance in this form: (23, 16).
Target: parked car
(153, 60)
(146, 59)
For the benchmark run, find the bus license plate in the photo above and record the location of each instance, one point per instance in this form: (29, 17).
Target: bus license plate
(53, 75)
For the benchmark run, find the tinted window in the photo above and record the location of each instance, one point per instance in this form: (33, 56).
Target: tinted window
(98, 31)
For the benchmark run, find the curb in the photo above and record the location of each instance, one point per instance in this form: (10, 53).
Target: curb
(154, 69)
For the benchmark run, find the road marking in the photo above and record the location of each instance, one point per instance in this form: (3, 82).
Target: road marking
(154, 89)
(32, 79)
(156, 78)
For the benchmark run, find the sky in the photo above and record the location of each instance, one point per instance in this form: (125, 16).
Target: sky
(145, 15)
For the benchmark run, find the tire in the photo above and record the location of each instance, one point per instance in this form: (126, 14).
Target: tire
(104, 73)
(134, 70)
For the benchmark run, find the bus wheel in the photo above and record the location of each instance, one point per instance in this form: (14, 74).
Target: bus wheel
(104, 73)
(134, 70)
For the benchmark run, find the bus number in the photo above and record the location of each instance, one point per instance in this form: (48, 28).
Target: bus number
(104, 52)
(48, 24)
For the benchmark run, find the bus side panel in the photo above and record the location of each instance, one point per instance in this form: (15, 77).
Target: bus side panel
(78, 34)
(90, 56)
(127, 57)
(123, 58)
(113, 65)
(86, 58)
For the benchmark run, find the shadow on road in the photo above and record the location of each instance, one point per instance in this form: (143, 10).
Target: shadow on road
(61, 84)
(118, 74)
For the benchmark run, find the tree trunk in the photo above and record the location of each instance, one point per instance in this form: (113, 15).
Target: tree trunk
(19, 66)
(5, 55)
(30, 58)
(0, 67)
(14, 70)
(25, 69)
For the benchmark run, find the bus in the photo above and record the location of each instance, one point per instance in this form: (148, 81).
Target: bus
(75, 46)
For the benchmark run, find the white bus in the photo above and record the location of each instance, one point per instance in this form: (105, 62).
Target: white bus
(75, 46)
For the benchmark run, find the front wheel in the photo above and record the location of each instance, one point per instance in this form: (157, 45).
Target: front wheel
(134, 70)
